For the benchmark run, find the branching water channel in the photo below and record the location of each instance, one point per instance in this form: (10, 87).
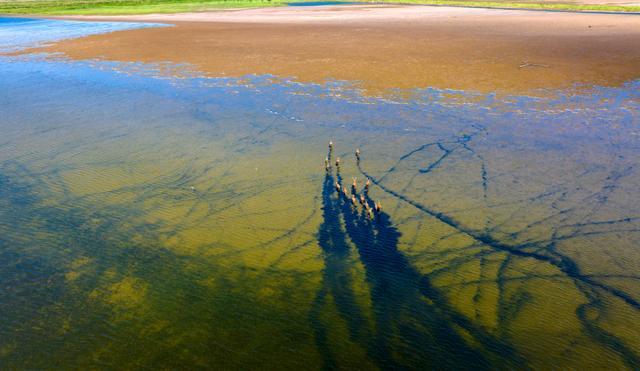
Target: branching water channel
(405, 301)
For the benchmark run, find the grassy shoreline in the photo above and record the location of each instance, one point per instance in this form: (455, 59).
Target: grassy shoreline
(573, 7)
(124, 7)
(130, 7)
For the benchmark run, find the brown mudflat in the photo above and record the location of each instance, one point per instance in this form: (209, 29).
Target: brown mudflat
(385, 47)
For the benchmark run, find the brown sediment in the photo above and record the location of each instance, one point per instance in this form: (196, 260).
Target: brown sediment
(386, 47)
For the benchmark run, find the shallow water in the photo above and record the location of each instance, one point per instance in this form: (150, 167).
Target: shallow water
(152, 217)
(22, 33)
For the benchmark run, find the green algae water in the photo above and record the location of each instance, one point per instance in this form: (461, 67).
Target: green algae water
(152, 218)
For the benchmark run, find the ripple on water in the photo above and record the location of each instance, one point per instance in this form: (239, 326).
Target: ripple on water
(144, 216)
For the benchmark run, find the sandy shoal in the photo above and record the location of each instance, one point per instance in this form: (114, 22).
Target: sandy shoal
(386, 47)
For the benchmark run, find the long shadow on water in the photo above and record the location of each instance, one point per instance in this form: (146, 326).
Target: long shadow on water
(336, 279)
(414, 327)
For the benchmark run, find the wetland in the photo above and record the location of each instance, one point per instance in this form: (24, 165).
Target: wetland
(169, 200)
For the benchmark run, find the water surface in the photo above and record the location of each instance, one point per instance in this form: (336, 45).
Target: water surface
(153, 217)
(22, 33)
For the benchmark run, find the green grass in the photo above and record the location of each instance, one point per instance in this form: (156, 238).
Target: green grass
(112, 7)
(535, 5)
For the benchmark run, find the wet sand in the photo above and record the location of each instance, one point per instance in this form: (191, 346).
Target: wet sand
(386, 47)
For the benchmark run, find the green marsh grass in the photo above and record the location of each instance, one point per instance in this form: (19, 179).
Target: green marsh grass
(124, 7)
(534, 5)
(111, 7)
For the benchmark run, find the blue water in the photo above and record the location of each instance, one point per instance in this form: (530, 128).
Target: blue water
(23, 33)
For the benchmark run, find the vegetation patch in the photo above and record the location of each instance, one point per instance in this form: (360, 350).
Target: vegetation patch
(121, 7)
